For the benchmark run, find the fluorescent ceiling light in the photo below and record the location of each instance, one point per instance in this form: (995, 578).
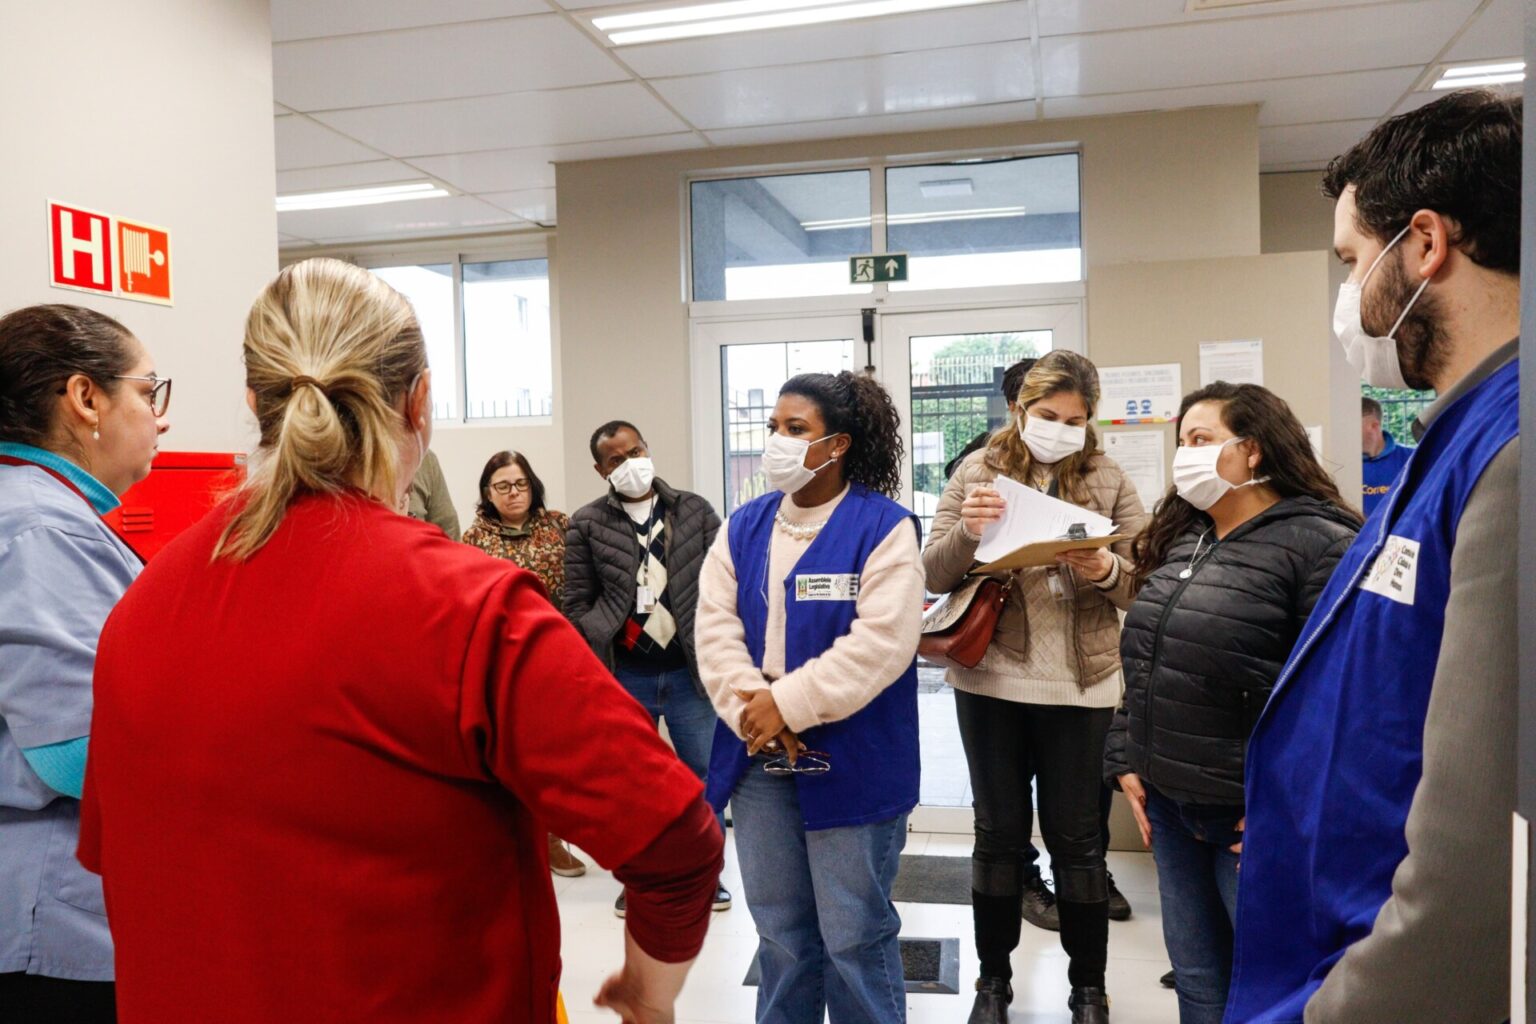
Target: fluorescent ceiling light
(715, 19)
(925, 217)
(1467, 75)
(947, 187)
(360, 196)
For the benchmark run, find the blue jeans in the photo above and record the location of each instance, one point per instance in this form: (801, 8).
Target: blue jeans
(689, 714)
(821, 900)
(1197, 880)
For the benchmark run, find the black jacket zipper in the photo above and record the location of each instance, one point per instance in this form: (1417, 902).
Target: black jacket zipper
(1157, 642)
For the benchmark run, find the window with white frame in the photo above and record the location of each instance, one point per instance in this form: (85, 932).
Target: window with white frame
(487, 330)
(964, 223)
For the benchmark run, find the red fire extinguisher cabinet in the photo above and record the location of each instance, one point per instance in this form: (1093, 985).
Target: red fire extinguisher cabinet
(181, 488)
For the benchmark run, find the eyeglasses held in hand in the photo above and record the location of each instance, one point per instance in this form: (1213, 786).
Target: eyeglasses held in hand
(810, 762)
(158, 396)
(504, 487)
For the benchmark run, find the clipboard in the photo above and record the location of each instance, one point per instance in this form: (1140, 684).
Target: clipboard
(1042, 553)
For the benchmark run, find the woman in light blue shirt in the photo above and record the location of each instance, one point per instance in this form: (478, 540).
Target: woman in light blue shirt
(81, 413)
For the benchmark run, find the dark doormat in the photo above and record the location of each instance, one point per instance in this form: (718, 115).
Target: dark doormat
(922, 879)
(931, 966)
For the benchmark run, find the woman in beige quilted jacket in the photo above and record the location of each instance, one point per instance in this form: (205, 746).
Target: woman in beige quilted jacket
(1042, 698)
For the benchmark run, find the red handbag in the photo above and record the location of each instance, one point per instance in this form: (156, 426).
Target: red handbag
(958, 629)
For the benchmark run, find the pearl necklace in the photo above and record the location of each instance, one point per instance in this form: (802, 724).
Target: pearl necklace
(799, 531)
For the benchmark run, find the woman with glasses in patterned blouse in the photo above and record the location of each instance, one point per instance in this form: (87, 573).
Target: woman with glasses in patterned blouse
(511, 522)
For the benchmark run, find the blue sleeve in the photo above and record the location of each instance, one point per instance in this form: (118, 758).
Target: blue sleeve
(61, 766)
(59, 589)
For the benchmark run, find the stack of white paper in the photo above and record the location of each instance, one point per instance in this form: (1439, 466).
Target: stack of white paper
(1030, 517)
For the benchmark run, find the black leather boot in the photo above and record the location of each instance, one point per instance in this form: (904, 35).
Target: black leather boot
(1089, 1006)
(992, 998)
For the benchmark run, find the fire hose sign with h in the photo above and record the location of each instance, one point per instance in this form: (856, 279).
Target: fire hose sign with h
(97, 252)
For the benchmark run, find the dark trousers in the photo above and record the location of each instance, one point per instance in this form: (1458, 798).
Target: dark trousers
(1032, 853)
(1064, 748)
(38, 1000)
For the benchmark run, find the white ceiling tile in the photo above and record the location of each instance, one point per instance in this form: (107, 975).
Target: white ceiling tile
(319, 179)
(508, 121)
(511, 55)
(449, 215)
(1309, 143)
(1250, 49)
(962, 26)
(901, 83)
(1499, 31)
(303, 143)
(1284, 101)
(531, 204)
(1070, 17)
(306, 19)
(506, 170)
(928, 120)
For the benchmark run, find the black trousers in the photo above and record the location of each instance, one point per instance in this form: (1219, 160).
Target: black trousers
(1064, 748)
(34, 999)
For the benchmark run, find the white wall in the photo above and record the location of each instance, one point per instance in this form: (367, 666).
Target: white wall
(1295, 216)
(158, 110)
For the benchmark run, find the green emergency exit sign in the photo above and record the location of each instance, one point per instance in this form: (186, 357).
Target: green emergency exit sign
(887, 266)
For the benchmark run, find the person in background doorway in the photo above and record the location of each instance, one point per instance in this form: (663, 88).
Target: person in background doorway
(1227, 572)
(1042, 698)
(327, 739)
(1381, 776)
(81, 414)
(632, 561)
(1013, 379)
(428, 499)
(809, 611)
(1382, 458)
(511, 522)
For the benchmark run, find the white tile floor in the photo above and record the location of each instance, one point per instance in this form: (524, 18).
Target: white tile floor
(592, 947)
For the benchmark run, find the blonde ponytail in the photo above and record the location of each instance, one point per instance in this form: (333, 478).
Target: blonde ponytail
(330, 350)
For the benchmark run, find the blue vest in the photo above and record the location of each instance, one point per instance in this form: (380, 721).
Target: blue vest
(1336, 756)
(874, 755)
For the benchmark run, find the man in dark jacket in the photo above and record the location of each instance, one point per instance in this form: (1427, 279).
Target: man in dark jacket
(632, 561)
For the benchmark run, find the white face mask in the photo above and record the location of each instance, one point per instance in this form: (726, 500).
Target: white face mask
(632, 477)
(1195, 476)
(1050, 441)
(1375, 359)
(784, 462)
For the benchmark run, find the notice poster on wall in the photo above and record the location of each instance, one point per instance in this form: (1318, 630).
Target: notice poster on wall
(1140, 394)
(1142, 456)
(1236, 362)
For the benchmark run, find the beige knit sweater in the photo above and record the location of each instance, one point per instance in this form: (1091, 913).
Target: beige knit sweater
(832, 686)
(1045, 651)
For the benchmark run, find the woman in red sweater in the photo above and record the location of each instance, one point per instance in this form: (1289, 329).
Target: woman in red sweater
(328, 739)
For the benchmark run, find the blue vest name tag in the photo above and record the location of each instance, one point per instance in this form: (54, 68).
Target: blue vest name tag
(1395, 573)
(827, 587)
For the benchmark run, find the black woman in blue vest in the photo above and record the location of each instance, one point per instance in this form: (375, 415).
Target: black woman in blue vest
(809, 610)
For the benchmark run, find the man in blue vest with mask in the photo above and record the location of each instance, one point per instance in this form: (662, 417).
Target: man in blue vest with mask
(1381, 776)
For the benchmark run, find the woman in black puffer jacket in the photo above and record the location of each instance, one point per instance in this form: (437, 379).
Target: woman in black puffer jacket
(1227, 573)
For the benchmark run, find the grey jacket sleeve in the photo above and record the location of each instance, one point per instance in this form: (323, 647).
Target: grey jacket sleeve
(1439, 950)
(581, 584)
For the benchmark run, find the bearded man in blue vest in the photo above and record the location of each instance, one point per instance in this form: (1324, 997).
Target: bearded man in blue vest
(1375, 880)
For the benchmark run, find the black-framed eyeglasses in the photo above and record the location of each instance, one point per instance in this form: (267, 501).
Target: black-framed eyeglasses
(159, 396)
(809, 762)
(506, 487)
